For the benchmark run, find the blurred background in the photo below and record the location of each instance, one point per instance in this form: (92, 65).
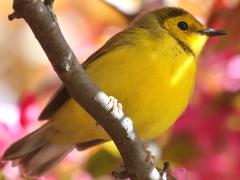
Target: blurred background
(204, 144)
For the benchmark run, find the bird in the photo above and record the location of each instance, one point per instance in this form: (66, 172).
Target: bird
(150, 67)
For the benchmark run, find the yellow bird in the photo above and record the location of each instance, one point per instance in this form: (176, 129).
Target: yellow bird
(149, 67)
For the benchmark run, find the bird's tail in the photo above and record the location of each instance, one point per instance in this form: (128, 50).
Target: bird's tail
(34, 154)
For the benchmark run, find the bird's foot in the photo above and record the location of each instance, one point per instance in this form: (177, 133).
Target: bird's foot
(164, 172)
(150, 158)
(114, 105)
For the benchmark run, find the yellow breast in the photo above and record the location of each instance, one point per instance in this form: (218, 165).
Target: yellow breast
(153, 80)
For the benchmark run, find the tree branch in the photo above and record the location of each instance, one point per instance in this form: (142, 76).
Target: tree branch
(83, 90)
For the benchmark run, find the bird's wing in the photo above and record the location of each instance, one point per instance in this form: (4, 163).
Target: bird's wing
(58, 99)
(61, 96)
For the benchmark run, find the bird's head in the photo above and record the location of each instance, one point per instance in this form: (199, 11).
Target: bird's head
(181, 25)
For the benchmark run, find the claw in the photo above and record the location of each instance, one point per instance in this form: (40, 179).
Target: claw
(150, 158)
(114, 104)
(164, 172)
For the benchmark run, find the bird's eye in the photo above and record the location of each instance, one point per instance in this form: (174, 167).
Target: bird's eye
(182, 25)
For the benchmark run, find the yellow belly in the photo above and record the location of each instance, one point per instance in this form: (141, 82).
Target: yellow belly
(152, 83)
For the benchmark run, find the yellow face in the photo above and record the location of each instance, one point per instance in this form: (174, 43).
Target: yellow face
(181, 25)
(187, 30)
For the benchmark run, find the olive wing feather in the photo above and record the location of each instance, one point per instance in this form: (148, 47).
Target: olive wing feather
(61, 96)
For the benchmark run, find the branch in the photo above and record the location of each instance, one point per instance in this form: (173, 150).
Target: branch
(83, 89)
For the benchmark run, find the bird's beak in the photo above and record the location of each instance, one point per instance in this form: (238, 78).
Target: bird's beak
(212, 32)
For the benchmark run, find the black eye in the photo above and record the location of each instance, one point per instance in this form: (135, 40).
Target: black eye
(182, 25)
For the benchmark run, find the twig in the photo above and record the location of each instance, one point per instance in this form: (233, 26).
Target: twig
(83, 90)
(48, 3)
(120, 175)
(49, 6)
(12, 16)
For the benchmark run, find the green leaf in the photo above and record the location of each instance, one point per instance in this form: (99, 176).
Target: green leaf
(102, 163)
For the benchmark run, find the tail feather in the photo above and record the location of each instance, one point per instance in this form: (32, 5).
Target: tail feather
(44, 159)
(35, 155)
(27, 144)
